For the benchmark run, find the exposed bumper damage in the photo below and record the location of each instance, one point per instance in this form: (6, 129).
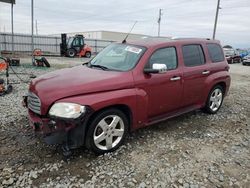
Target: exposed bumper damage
(68, 132)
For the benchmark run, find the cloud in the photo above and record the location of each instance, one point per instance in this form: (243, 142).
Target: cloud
(193, 18)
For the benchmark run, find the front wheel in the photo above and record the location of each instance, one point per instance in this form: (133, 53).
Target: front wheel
(107, 131)
(214, 100)
(71, 53)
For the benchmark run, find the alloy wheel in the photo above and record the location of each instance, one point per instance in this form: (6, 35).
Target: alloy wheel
(215, 99)
(109, 132)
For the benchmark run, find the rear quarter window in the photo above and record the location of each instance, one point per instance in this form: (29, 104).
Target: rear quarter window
(215, 53)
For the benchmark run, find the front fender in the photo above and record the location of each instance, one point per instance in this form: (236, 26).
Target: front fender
(98, 101)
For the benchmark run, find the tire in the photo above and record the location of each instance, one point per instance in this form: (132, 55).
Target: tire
(214, 100)
(88, 54)
(44, 60)
(103, 135)
(9, 89)
(71, 53)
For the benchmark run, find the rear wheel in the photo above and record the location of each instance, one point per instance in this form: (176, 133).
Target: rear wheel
(214, 100)
(88, 54)
(107, 131)
(71, 53)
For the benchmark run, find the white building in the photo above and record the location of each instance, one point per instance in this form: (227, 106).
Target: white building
(108, 35)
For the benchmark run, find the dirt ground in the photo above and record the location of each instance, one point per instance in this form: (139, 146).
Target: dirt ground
(193, 150)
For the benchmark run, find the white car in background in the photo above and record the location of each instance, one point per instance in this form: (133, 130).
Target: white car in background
(246, 60)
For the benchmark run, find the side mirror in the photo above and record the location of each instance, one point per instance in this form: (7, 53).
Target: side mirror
(157, 69)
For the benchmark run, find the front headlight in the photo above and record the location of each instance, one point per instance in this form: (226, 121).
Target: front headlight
(67, 110)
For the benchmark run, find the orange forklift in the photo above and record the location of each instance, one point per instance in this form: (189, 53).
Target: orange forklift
(74, 46)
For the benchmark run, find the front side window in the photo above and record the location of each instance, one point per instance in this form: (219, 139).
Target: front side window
(193, 55)
(165, 56)
(120, 57)
(215, 53)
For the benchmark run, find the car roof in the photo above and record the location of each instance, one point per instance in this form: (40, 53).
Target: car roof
(155, 41)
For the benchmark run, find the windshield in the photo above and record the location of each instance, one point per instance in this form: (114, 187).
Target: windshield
(120, 57)
(229, 52)
(70, 40)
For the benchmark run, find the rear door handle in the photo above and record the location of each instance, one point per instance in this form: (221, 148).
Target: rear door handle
(205, 72)
(175, 78)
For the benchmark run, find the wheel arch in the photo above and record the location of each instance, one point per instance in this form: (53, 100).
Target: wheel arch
(88, 51)
(122, 107)
(222, 84)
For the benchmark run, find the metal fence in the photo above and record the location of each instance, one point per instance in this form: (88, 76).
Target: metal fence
(50, 45)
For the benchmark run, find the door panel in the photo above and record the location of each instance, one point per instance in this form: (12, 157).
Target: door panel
(195, 73)
(194, 84)
(78, 44)
(164, 92)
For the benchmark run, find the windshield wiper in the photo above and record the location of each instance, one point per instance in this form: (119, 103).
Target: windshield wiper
(98, 66)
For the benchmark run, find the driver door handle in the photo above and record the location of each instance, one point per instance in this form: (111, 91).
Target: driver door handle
(205, 72)
(175, 78)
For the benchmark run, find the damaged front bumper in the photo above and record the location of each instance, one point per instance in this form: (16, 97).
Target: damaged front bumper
(52, 131)
(55, 130)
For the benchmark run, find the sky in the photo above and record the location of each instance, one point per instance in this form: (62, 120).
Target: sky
(181, 18)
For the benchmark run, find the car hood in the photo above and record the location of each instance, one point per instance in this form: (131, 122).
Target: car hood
(75, 81)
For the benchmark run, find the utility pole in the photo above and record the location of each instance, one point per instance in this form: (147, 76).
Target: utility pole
(12, 29)
(216, 18)
(159, 22)
(36, 28)
(32, 30)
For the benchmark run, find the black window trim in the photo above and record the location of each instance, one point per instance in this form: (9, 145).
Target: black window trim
(176, 53)
(201, 45)
(220, 49)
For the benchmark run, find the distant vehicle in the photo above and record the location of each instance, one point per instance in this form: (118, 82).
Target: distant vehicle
(232, 56)
(246, 60)
(75, 46)
(242, 53)
(125, 87)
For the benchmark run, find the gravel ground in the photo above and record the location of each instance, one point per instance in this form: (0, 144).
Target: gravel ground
(193, 150)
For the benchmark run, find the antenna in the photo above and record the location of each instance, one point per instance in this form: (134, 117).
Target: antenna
(124, 40)
(159, 22)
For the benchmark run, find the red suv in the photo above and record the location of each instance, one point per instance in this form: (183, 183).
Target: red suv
(125, 87)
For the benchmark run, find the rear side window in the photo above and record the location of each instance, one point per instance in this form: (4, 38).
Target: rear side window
(215, 53)
(193, 55)
(165, 56)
